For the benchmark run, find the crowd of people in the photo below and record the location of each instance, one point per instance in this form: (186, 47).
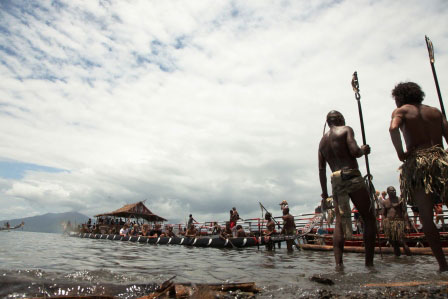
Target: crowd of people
(231, 229)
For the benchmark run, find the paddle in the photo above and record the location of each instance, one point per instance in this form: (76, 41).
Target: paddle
(230, 241)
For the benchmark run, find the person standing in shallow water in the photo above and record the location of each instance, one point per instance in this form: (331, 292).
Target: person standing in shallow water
(395, 219)
(424, 170)
(270, 230)
(289, 227)
(339, 149)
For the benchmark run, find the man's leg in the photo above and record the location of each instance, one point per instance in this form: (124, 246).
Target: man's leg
(338, 236)
(425, 206)
(289, 245)
(396, 246)
(406, 249)
(362, 202)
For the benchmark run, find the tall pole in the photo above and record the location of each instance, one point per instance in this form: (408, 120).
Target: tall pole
(355, 86)
(431, 61)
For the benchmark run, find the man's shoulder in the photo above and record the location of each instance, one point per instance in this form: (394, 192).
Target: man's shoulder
(411, 110)
(335, 132)
(341, 130)
(414, 107)
(435, 112)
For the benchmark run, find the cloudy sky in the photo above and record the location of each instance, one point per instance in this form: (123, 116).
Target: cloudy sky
(198, 106)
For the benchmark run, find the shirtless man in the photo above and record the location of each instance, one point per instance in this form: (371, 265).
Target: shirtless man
(270, 225)
(270, 230)
(226, 232)
(289, 227)
(216, 229)
(169, 232)
(339, 149)
(395, 218)
(425, 159)
(191, 232)
(240, 233)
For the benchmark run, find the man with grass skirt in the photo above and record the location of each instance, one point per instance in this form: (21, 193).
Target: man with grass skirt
(339, 149)
(424, 173)
(395, 218)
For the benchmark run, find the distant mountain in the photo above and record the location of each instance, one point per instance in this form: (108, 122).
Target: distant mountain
(47, 223)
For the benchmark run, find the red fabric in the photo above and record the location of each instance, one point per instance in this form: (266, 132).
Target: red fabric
(232, 224)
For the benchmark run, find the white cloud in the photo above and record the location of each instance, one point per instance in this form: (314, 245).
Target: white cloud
(198, 107)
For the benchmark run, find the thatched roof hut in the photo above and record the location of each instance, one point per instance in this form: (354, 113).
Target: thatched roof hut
(135, 210)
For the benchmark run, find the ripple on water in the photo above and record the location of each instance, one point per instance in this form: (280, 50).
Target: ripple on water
(36, 263)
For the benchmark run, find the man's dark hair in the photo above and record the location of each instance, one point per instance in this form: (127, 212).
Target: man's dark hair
(408, 93)
(268, 216)
(333, 115)
(391, 188)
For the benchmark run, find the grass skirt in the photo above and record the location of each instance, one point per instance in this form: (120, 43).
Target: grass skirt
(394, 229)
(428, 169)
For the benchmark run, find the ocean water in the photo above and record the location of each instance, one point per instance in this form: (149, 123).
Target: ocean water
(38, 264)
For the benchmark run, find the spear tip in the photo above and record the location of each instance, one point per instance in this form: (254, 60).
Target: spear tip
(430, 49)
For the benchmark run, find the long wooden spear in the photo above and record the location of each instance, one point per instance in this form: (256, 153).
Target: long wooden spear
(263, 208)
(355, 86)
(431, 61)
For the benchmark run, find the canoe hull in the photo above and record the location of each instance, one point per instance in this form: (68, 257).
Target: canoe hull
(215, 242)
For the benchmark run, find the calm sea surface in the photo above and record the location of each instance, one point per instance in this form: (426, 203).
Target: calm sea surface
(50, 264)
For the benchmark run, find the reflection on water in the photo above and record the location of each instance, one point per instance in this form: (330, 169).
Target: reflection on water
(38, 263)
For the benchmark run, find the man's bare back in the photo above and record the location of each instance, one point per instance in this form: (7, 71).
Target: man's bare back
(337, 150)
(422, 126)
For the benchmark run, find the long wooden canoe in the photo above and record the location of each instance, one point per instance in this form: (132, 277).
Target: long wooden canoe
(213, 241)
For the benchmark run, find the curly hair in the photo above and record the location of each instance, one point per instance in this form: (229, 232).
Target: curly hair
(408, 93)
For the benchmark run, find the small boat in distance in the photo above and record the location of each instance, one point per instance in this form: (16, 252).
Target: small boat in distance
(7, 227)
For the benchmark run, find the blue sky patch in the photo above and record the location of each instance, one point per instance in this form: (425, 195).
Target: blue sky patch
(16, 170)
